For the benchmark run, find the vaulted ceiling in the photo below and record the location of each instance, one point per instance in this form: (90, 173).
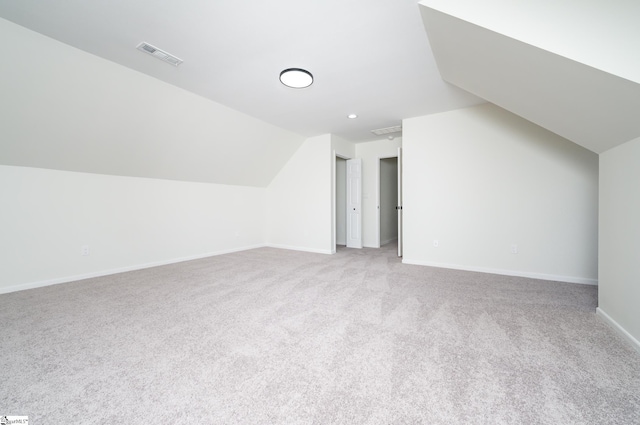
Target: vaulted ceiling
(368, 57)
(572, 67)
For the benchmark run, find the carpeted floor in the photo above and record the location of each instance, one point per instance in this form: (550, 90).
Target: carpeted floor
(270, 336)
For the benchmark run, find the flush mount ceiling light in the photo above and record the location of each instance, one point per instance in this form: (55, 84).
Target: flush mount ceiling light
(296, 78)
(352, 116)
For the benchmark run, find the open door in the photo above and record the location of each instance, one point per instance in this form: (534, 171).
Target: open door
(399, 207)
(354, 203)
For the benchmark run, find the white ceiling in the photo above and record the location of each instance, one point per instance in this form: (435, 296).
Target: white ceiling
(597, 33)
(572, 67)
(369, 57)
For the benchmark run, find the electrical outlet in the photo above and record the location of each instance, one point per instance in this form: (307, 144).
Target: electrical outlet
(514, 249)
(435, 243)
(84, 250)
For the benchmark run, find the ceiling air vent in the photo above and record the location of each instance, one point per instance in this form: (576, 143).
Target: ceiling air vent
(387, 130)
(160, 54)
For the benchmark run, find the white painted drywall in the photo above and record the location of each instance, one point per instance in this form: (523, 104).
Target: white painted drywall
(589, 106)
(619, 253)
(371, 152)
(341, 201)
(481, 179)
(388, 200)
(342, 147)
(62, 108)
(603, 33)
(127, 222)
(299, 199)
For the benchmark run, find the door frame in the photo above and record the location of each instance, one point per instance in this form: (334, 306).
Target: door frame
(400, 206)
(334, 202)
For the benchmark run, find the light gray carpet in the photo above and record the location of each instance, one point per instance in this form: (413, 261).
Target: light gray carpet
(270, 336)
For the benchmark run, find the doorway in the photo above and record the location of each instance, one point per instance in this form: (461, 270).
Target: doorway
(387, 211)
(347, 202)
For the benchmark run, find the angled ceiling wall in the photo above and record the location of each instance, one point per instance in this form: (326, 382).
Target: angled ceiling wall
(66, 109)
(572, 73)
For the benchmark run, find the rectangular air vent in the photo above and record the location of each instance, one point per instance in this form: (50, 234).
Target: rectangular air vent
(387, 130)
(158, 53)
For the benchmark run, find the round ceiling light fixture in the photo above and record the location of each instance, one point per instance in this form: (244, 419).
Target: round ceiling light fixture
(352, 116)
(296, 78)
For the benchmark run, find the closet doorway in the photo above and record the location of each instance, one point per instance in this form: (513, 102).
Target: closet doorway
(388, 196)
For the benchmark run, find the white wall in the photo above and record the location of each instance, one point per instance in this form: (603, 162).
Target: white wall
(299, 199)
(388, 200)
(371, 152)
(481, 179)
(62, 108)
(343, 148)
(297, 202)
(619, 253)
(127, 222)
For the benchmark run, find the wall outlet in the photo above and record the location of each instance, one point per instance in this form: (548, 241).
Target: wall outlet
(436, 243)
(514, 249)
(84, 250)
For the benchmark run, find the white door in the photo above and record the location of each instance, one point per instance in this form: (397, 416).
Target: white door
(354, 203)
(399, 207)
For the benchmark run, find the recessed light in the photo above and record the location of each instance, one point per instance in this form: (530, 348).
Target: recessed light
(296, 78)
(352, 116)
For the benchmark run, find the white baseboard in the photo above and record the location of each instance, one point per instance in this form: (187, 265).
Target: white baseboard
(622, 331)
(300, 248)
(49, 282)
(542, 276)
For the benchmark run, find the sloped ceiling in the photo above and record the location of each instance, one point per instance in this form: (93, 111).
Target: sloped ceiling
(64, 109)
(369, 57)
(76, 94)
(572, 67)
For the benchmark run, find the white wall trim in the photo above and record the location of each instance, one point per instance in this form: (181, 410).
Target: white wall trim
(49, 282)
(378, 197)
(334, 201)
(542, 276)
(622, 331)
(300, 248)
